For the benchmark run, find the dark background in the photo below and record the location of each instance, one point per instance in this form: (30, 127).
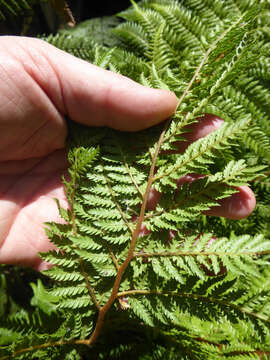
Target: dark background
(42, 19)
(85, 9)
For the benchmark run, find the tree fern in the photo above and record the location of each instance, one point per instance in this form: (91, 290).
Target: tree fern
(193, 287)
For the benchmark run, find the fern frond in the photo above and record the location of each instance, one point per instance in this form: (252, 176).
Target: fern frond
(199, 284)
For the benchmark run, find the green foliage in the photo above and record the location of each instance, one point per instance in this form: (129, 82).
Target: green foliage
(97, 29)
(15, 8)
(134, 282)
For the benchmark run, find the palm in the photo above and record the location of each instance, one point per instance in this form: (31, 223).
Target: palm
(32, 158)
(28, 189)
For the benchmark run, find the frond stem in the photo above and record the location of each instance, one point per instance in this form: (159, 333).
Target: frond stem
(200, 297)
(115, 201)
(75, 233)
(45, 345)
(117, 266)
(88, 285)
(206, 55)
(133, 180)
(130, 174)
(198, 253)
(135, 235)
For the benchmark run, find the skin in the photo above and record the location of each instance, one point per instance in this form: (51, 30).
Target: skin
(39, 86)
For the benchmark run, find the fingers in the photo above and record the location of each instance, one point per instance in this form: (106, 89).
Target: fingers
(203, 127)
(240, 204)
(97, 97)
(237, 206)
(88, 94)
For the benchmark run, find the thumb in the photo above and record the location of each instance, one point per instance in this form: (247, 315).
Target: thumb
(94, 96)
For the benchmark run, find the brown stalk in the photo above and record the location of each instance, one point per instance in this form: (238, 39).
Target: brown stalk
(135, 235)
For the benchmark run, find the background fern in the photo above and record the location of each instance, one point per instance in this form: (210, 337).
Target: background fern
(144, 283)
(15, 8)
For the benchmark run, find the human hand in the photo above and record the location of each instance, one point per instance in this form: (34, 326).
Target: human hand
(39, 85)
